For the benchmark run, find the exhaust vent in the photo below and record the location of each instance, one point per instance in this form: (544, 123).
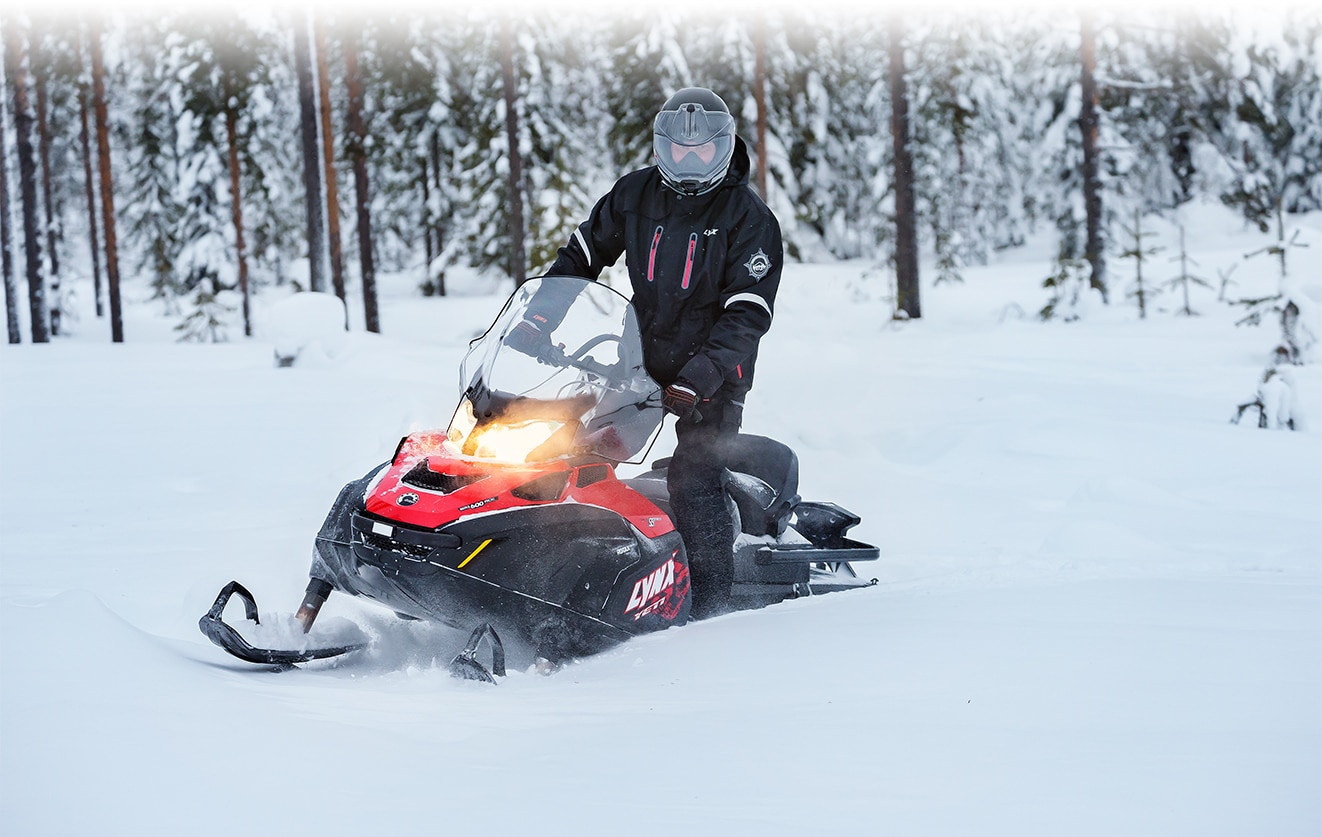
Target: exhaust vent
(425, 478)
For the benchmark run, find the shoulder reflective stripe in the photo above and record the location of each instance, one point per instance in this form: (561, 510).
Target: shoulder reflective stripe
(754, 298)
(582, 242)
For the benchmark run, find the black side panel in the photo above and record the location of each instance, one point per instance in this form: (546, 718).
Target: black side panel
(328, 561)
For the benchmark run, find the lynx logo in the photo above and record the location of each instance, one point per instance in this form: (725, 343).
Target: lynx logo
(652, 590)
(759, 265)
(407, 499)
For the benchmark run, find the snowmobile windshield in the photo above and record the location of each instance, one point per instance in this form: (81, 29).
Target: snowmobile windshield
(579, 389)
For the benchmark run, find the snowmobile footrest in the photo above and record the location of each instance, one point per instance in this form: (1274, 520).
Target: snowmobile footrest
(849, 550)
(214, 627)
(465, 665)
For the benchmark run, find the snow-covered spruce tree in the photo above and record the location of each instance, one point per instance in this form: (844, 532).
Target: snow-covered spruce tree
(400, 91)
(942, 119)
(480, 154)
(834, 105)
(1276, 152)
(1184, 279)
(440, 139)
(222, 67)
(1052, 129)
(643, 65)
(147, 118)
(1296, 312)
(270, 161)
(564, 129)
(1070, 289)
(1136, 248)
(1168, 96)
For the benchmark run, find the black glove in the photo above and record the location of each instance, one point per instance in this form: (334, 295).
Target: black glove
(526, 337)
(680, 398)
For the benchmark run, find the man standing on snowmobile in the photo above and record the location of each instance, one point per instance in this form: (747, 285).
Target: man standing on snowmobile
(704, 256)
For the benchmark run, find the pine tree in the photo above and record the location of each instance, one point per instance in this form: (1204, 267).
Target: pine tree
(89, 179)
(16, 72)
(906, 234)
(6, 251)
(311, 145)
(102, 121)
(355, 147)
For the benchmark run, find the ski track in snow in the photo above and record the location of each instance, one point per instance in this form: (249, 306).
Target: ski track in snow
(1098, 609)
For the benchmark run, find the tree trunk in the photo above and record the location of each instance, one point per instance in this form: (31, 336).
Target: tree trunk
(16, 70)
(423, 180)
(328, 159)
(517, 256)
(1092, 184)
(440, 221)
(52, 233)
(236, 195)
(307, 102)
(358, 158)
(107, 187)
(906, 227)
(6, 246)
(760, 98)
(84, 138)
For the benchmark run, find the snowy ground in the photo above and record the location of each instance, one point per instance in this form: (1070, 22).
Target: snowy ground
(1099, 607)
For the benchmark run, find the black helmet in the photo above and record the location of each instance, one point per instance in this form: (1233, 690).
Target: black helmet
(693, 139)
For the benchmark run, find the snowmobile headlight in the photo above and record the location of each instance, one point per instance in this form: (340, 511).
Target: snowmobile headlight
(461, 426)
(518, 442)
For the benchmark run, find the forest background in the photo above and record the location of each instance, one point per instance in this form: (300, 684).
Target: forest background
(312, 146)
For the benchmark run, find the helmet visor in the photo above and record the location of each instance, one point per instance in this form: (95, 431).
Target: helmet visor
(692, 144)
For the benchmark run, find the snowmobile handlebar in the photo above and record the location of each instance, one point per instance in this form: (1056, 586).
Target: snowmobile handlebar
(553, 355)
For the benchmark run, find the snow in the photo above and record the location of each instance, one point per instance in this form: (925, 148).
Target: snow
(1098, 609)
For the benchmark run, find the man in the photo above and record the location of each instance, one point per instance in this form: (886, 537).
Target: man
(704, 256)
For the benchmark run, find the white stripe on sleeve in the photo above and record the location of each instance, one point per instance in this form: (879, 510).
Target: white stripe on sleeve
(754, 298)
(578, 236)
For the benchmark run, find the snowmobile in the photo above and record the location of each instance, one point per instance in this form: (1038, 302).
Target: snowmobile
(513, 521)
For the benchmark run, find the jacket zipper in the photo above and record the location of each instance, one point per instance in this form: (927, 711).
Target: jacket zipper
(651, 257)
(688, 261)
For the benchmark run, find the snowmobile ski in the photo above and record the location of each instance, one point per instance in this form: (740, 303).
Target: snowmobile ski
(466, 666)
(214, 626)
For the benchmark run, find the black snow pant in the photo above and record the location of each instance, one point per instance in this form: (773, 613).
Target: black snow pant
(697, 498)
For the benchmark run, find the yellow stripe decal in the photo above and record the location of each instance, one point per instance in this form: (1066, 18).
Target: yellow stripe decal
(474, 553)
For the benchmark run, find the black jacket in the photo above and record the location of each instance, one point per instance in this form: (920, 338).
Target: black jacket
(704, 271)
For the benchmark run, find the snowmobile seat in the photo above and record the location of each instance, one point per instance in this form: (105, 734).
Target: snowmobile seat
(762, 477)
